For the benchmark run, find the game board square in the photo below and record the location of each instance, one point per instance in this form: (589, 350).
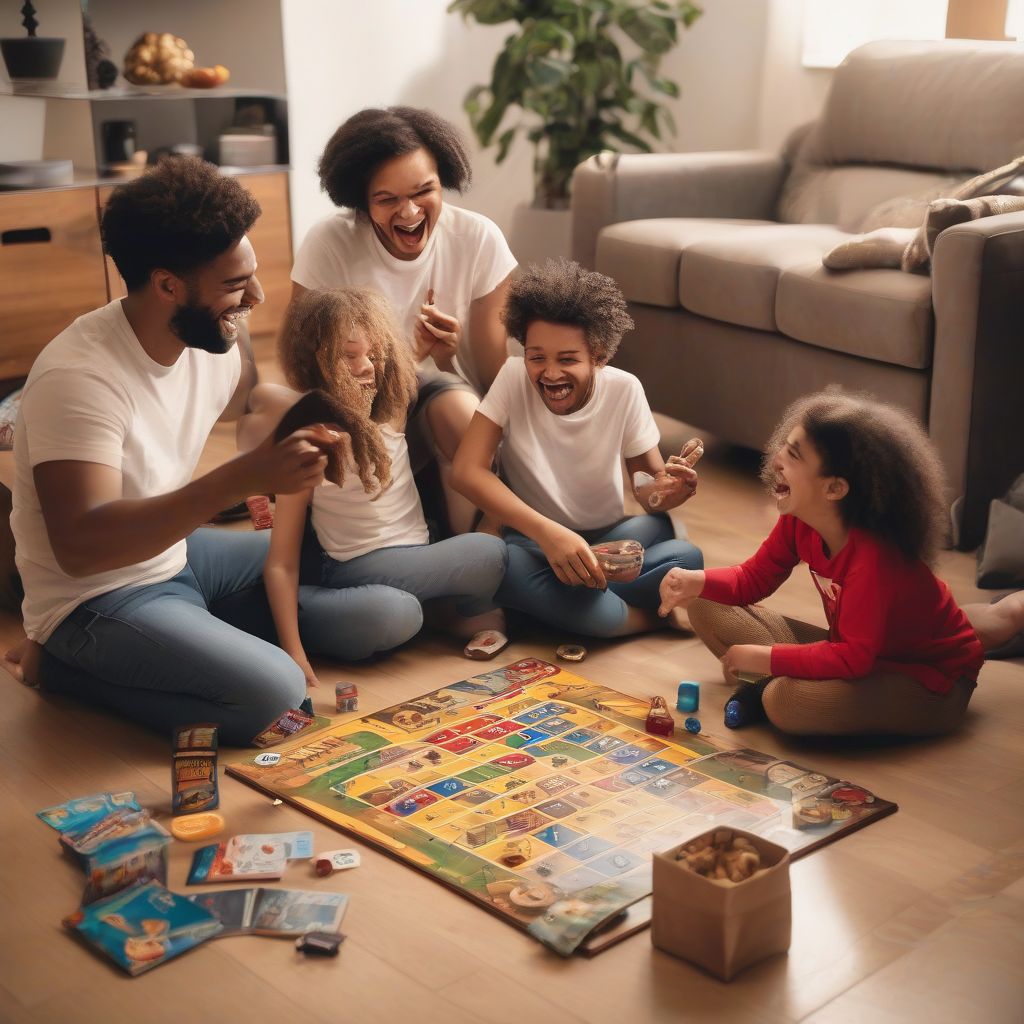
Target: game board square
(617, 862)
(474, 796)
(447, 787)
(462, 744)
(604, 744)
(587, 847)
(654, 767)
(687, 778)
(498, 730)
(627, 755)
(634, 777)
(612, 785)
(412, 803)
(558, 835)
(556, 808)
(580, 736)
(556, 725)
(525, 737)
(554, 864)
(581, 878)
(512, 762)
(555, 785)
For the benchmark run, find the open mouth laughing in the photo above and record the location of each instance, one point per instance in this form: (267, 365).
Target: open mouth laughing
(556, 394)
(410, 236)
(230, 320)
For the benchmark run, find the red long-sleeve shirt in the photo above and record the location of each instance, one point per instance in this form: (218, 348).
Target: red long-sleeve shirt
(884, 611)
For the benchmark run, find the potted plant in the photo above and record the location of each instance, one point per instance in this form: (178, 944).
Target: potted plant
(32, 56)
(585, 74)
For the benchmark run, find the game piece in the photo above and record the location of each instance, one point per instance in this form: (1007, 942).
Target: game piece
(259, 510)
(239, 858)
(320, 943)
(692, 725)
(346, 697)
(267, 758)
(513, 860)
(307, 705)
(571, 652)
(328, 862)
(194, 769)
(485, 645)
(653, 489)
(659, 718)
(744, 707)
(688, 696)
(197, 826)
(620, 560)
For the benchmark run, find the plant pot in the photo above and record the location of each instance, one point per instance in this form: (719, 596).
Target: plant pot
(538, 235)
(32, 57)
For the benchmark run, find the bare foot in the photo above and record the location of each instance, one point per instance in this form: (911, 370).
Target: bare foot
(997, 624)
(22, 661)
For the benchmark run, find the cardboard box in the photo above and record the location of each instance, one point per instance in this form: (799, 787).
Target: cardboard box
(722, 927)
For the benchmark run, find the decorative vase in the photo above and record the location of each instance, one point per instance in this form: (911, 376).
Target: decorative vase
(32, 56)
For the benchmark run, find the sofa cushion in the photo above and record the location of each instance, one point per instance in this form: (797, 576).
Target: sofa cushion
(735, 276)
(953, 105)
(643, 256)
(884, 315)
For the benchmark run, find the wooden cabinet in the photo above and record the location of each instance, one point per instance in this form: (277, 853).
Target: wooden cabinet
(51, 270)
(52, 266)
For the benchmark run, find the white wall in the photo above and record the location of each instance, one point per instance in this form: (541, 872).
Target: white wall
(341, 56)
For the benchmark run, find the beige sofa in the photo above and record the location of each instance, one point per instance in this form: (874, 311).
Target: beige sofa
(719, 255)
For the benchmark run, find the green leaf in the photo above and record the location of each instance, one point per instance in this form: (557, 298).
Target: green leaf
(504, 142)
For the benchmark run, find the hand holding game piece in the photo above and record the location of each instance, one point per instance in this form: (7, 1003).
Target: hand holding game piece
(679, 589)
(620, 560)
(750, 659)
(436, 334)
(675, 484)
(571, 558)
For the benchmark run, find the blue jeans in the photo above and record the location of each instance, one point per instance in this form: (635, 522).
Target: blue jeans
(178, 652)
(531, 586)
(374, 602)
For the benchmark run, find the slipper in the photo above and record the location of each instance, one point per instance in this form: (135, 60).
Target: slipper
(485, 645)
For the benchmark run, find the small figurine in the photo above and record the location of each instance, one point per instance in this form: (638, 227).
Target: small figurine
(692, 725)
(346, 697)
(659, 719)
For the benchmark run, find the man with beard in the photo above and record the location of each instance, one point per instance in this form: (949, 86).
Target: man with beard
(136, 608)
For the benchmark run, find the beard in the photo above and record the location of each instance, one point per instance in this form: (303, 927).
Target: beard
(197, 327)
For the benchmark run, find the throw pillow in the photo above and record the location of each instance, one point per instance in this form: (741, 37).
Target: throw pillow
(883, 247)
(944, 213)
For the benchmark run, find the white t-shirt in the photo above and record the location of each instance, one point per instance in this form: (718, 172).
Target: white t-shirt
(568, 468)
(466, 257)
(348, 524)
(95, 396)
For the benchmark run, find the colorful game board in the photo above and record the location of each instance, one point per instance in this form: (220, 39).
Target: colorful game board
(538, 794)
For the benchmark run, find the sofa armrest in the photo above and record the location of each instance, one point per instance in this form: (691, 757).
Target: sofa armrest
(978, 365)
(609, 188)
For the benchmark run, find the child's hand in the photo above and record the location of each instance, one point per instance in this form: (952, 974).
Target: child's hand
(571, 559)
(755, 659)
(679, 589)
(23, 660)
(302, 661)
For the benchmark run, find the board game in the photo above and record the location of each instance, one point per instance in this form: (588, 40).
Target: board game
(539, 795)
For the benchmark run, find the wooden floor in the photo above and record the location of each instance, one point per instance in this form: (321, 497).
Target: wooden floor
(919, 917)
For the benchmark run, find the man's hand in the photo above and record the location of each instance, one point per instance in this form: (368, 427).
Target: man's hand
(296, 463)
(436, 334)
(571, 558)
(679, 589)
(755, 659)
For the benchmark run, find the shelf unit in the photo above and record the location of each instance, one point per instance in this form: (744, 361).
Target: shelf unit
(51, 264)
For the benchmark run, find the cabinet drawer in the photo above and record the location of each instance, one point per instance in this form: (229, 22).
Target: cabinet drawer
(51, 270)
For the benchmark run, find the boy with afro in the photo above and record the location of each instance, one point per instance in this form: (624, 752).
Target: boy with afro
(564, 419)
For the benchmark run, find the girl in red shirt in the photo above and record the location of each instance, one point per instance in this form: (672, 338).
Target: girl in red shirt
(860, 491)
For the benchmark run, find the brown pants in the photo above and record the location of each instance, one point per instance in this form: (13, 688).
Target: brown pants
(878, 703)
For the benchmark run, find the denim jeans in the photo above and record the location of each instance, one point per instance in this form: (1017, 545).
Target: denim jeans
(178, 652)
(374, 602)
(531, 586)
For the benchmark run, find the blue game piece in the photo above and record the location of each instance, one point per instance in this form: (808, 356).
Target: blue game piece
(688, 696)
(307, 705)
(692, 725)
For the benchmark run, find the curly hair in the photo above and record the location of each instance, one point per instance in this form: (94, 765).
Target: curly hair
(562, 292)
(373, 136)
(896, 482)
(310, 352)
(179, 216)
